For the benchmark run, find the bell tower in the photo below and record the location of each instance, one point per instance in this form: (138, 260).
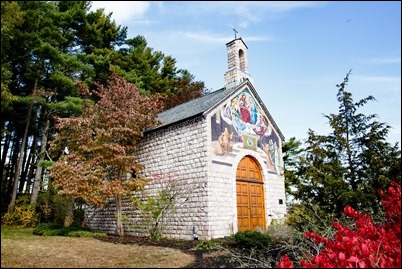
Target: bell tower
(237, 63)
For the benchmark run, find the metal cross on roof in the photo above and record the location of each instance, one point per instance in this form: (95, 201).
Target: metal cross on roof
(235, 32)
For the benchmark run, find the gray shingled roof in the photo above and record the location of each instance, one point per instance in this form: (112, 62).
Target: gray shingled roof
(200, 105)
(192, 108)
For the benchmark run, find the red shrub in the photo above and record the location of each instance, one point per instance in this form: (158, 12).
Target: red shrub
(285, 262)
(367, 245)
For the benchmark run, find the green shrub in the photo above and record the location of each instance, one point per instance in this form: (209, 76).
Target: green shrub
(83, 233)
(251, 239)
(50, 229)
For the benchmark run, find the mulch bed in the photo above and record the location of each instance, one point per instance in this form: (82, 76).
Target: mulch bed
(203, 258)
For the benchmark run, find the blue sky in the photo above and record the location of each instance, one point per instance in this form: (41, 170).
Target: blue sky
(298, 51)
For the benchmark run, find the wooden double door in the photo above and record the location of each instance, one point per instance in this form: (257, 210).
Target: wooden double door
(250, 195)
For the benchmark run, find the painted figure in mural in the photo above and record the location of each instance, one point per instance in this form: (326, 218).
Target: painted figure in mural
(227, 112)
(219, 149)
(224, 143)
(261, 126)
(237, 122)
(239, 126)
(227, 141)
(253, 110)
(234, 108)
(272, 151)
(277, 160)
(244, 109)
(270, 161)
(231, 115)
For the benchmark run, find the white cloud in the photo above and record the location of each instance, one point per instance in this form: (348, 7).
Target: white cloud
(204, 37)
(394, 60)
(242, 13)
(381, 87)
(245, 6)
(282, 6)
(213, 38)
(123, 11)
(244, 24)
(382, 79)
(143, 22)
(257, 38)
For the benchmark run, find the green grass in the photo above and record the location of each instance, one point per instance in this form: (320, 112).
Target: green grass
(16, 232)
(51, 229)
(20, 248)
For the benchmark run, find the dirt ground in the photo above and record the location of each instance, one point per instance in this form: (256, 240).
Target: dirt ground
(203, 258)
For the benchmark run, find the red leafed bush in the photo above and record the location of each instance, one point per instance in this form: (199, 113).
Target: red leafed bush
(285, 262)
(368, 245)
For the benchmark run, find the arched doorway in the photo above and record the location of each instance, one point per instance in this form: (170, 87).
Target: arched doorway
(250, 195)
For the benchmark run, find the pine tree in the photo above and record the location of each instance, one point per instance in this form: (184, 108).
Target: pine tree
(347, 166)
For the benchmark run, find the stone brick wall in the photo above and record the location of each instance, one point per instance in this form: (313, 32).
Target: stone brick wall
(174, 157)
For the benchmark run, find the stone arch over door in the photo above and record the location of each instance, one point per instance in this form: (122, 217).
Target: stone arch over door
(250, 195)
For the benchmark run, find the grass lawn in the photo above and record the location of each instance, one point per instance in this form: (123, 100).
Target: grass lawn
(21, 249)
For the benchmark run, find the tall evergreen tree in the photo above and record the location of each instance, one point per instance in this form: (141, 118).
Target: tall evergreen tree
(153, 72)
(11, 17)
(292, 151)
(347, 166)
(46, 47)
(45, 53)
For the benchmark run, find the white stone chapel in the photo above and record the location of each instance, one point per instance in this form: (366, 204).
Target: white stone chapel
(221, 156)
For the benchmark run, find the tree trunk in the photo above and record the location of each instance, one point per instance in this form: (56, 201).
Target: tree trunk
(4, 151)
(25, 166)
(119, 223)
(20, 160)
(7, 187)
(69, 218)
(38, 173)
(31, 166)
(4, 169)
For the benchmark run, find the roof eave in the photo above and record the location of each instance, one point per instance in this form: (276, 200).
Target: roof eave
(162, 126)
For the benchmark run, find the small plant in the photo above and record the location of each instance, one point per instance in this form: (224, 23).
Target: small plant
(155, 208)
(252, 239)
(208, 245)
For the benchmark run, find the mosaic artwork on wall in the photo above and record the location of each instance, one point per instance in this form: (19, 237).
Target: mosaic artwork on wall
(242, 124)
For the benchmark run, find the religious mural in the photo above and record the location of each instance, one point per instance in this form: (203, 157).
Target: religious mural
(241, 123)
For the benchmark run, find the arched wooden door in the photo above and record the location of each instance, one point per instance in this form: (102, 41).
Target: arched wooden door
(250, 195)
